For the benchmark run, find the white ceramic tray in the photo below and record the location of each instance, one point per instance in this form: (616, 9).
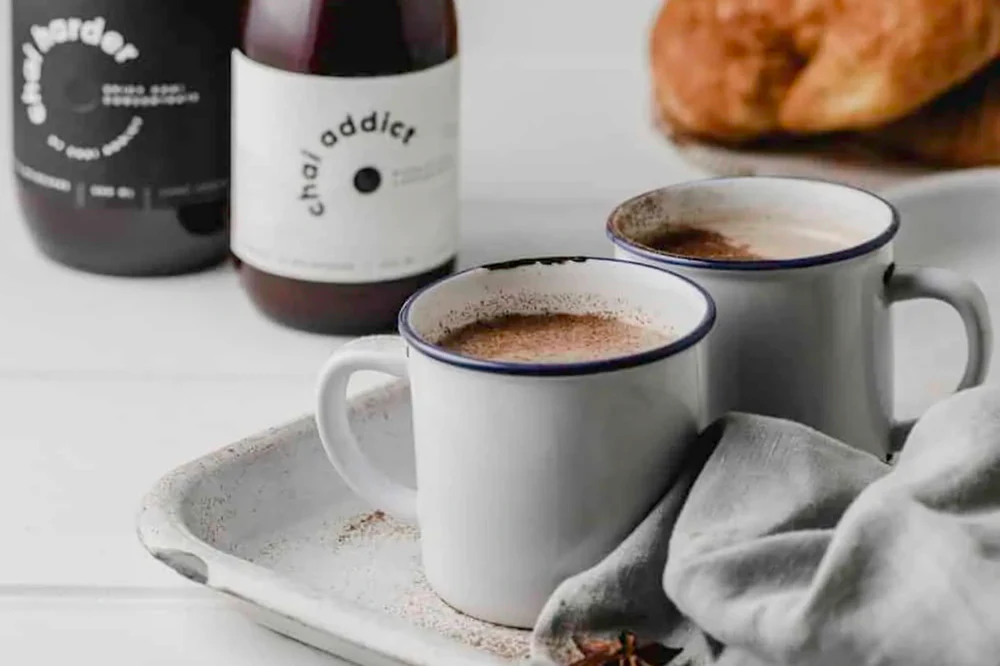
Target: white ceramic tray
(269, 523)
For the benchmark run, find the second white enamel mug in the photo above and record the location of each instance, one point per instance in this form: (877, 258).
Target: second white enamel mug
(810, 338)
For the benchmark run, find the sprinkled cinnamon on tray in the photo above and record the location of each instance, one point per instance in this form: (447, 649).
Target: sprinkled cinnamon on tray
(378, 558)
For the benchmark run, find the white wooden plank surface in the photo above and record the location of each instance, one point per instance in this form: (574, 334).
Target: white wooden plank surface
(121, 627)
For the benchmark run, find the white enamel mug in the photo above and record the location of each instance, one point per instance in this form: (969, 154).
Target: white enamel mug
(528, 473)
(808, 339)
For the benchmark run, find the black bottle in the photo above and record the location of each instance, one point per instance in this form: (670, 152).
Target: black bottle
(121, 131)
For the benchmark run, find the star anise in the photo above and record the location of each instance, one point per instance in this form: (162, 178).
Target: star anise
(624, 652)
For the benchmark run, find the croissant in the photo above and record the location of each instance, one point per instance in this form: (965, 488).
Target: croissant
(736, 70)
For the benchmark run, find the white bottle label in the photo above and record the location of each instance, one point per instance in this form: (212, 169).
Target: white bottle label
(344, 179)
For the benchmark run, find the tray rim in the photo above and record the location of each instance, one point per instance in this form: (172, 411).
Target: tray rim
(163, 532)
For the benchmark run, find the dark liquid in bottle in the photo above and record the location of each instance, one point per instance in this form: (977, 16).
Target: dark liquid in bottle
(122, 175)
(137, 243)
(344, 38)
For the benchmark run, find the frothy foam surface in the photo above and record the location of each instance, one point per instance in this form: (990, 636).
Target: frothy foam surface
(750, 237)
(552, 338)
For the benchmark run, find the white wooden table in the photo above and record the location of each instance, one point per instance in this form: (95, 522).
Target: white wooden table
(105, 384)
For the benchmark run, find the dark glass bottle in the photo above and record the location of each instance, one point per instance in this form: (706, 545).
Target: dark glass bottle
(345, 196)
(121, 131)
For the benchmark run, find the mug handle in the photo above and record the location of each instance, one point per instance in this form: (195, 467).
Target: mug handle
(382, 353)
(968, 300)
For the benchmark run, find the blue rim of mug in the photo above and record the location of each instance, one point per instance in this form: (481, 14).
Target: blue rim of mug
(414, 339)
(884, 238)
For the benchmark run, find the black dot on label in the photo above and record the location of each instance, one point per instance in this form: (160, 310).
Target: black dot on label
(367, 180)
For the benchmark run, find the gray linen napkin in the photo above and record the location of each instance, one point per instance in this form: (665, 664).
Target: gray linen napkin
(777, 546)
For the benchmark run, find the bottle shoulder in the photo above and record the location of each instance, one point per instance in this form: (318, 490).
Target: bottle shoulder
(350, 38)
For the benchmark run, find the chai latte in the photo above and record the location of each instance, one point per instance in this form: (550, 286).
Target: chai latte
(749, 239)
(552, 338)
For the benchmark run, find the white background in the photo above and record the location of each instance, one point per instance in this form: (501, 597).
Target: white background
(106, 384)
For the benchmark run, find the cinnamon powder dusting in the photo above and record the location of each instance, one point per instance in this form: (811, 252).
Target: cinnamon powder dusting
(552, 338)
(377, 560)
(700, 243)
(361, 526)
